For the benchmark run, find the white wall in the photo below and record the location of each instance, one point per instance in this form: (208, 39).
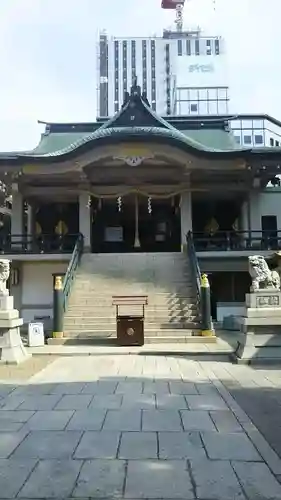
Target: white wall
(267, 202)
(202, 71)
(37, 288)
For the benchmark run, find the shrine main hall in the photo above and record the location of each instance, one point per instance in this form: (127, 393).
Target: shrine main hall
(177, 188)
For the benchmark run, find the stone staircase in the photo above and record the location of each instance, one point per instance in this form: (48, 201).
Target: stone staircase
(171, 314)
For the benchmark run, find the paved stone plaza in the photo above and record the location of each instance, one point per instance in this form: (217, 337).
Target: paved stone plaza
(134, 427)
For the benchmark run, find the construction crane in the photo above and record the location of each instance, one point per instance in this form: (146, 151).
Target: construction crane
(178, 6)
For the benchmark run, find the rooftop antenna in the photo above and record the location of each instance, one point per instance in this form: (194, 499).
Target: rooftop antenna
(178, 6)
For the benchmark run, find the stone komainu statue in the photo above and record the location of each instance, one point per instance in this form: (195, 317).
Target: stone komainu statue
(262, 276)
(4, 275)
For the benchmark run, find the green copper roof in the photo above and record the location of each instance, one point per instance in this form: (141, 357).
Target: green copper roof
(59, 144)
(212, 138)
(52, 143)
(136, 121)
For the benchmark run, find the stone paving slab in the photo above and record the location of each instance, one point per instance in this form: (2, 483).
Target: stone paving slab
(150, 427)
(162, 479)
(13, 474)
(187, 388)
(49, 420)
(101, 479)
(46, 445)
(225, 421)
(9, 441)
(74, 402)
(197, 420)
(257, 481)
(140, 401)
(98, 445)
(156, 387)
(87, 420)
(170, 401)
(206, 402)
(161, 420)
(224, 446)
(123, 420)
(215, 480)
(102, 387)
(39, 402)
(137, 445)
(51, 479)
(106, 401)
(179, 446)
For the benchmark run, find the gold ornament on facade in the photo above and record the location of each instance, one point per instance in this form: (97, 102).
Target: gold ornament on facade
(38, 229)
(61, 228)
(58, 283)
(211, 227)
(204, 281)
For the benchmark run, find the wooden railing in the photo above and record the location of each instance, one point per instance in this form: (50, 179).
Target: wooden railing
(40, 244)
(71, 270)
(237, 241)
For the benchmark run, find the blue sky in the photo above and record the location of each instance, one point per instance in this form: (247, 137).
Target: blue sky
(48, 55)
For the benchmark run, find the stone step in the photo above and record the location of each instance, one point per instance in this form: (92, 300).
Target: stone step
(79, 319)
(152, 297)
(101, 327)
(164, 278)
(153, 288)
(151, 334)
(155, 325)
(108, 308)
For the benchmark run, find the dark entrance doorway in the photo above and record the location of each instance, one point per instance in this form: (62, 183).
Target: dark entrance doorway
(135, 224)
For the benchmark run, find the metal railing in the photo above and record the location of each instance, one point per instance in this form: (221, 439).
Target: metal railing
(40, 244)
(237, 241)
(71, 270)
(195, 269)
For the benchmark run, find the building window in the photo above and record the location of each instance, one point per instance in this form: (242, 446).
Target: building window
(116, 67)
(103, 87)
(144, 66)
(188, 47)
(208, 48)
(153, 76)
(179, 47)
(277, 144)
(197, 48)
(217, 47)
(168, 80)
(125, 77)
(133, 55)
(247, 139)
(237, 139)
(193, 108)
(258, 139)
(271, 141)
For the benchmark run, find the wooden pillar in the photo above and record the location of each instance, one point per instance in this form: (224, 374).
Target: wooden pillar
(85, 222)
(186, 217)
(137, 236)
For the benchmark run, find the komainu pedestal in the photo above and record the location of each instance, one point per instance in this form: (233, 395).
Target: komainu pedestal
(12, 349)
(260, 325)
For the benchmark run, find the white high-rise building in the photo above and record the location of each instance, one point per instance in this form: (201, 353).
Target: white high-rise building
(182, 73)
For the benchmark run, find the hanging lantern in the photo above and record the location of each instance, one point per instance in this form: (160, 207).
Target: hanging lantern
(149, 206)
(119, 203)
